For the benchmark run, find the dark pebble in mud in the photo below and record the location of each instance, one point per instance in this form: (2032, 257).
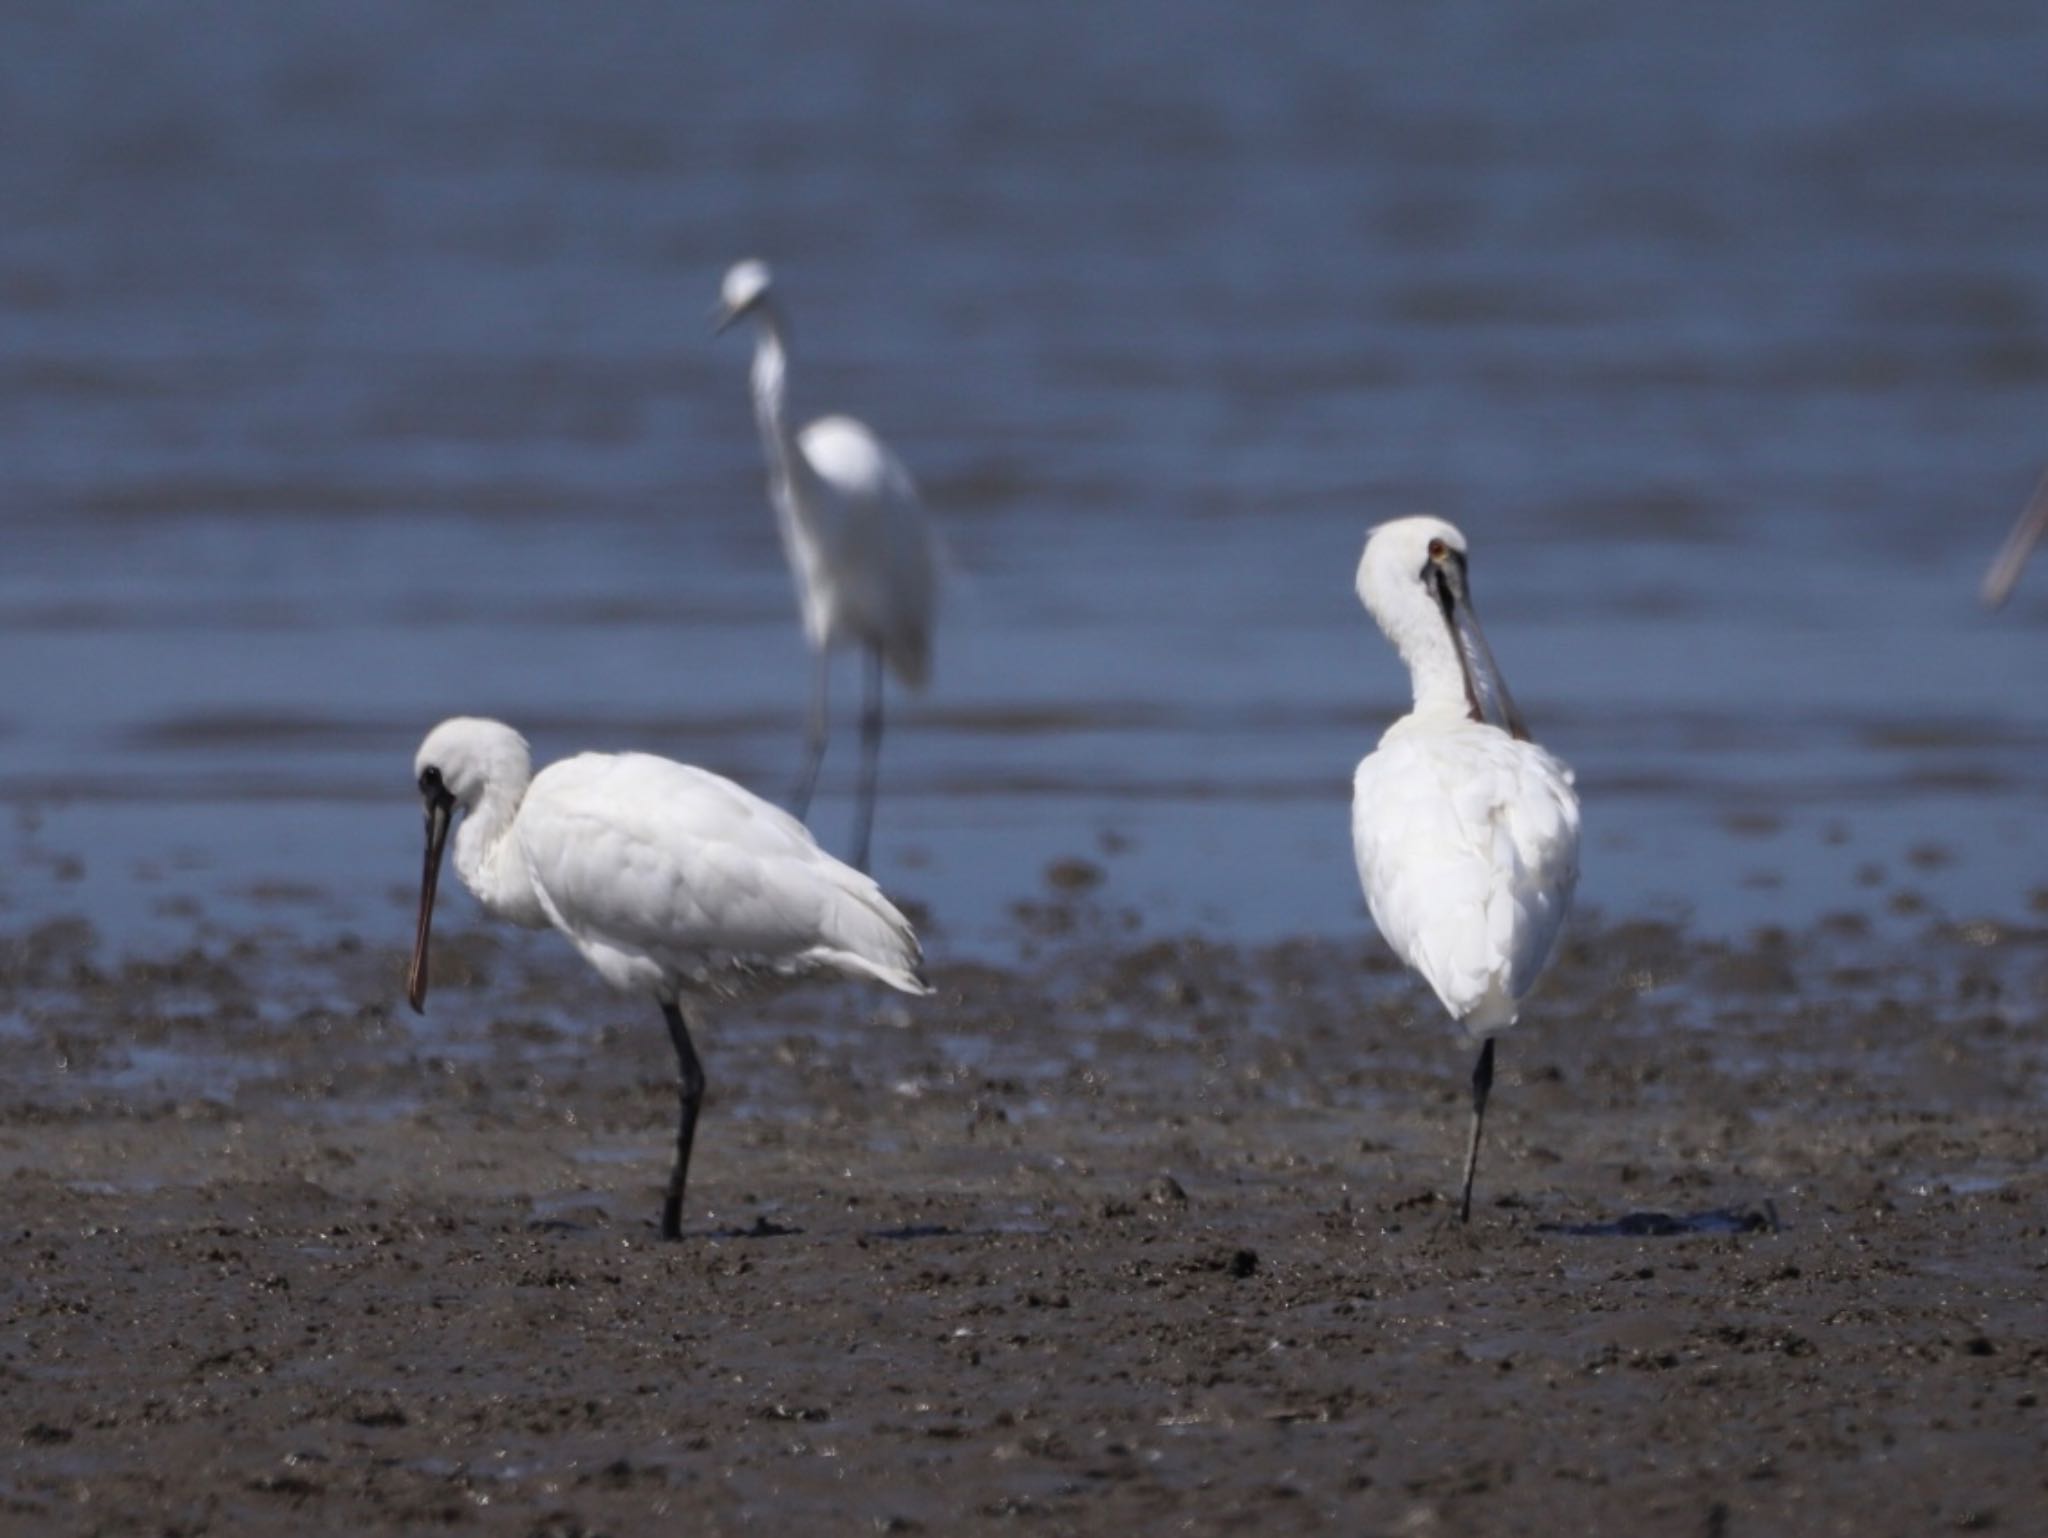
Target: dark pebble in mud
(1073, 875)
(1165, 1191)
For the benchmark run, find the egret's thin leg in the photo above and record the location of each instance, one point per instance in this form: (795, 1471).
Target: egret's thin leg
(1482, 1082)
(814, 737)
(870, 759)
(690, 1083)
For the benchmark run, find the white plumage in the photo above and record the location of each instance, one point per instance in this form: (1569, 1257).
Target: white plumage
(669, 880)
(859, 545)
(871, 577)
(1466, 833)
(1467, 845)
(668, 877)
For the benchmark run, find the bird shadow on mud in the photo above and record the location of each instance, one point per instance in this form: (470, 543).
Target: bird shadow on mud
(760, 1228)
(1760, 1219)
(768, 1228)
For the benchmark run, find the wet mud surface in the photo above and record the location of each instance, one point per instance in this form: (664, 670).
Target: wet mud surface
(1129, 1235)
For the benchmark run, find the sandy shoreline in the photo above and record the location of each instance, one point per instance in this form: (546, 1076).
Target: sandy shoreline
(1138, 1234)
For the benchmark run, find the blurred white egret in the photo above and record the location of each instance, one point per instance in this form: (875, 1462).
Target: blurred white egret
(1466, 832)
(2019, 544)
(856, 537)
(670, 880)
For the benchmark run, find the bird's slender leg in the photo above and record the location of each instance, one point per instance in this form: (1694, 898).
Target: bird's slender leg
(690, 1083)
(814, 737)
(870, 758)
(1482, 1082)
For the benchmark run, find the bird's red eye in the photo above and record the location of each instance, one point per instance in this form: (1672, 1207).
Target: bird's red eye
(1438, 550)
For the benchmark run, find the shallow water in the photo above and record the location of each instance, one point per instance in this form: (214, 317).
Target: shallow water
(355, 372)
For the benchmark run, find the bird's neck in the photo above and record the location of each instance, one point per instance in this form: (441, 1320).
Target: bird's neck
(487, 856)
(770, 380)
(791, 481)
(1424, 642)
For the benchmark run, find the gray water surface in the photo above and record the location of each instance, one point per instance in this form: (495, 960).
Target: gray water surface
(355, 371)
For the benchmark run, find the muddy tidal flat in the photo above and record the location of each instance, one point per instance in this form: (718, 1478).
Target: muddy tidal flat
(1126, 1236)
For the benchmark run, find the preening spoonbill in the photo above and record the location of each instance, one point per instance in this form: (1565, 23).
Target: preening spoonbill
(856, 536)
(1466, 832)
(670, 880)
(2019, 544)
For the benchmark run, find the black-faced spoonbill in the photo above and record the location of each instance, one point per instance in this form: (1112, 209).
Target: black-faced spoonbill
(858, 543)
(1466, 832)
(671, 881)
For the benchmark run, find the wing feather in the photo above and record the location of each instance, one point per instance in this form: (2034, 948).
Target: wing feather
(654, 867)
(881, 568)
(1467, 849)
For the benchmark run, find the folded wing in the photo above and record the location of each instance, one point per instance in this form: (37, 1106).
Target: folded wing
(1467, 847)
(649, 864)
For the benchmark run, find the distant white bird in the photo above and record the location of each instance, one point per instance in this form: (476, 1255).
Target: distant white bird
(1466, 832)
(2019, 544)
(858, 542)
(670, 881)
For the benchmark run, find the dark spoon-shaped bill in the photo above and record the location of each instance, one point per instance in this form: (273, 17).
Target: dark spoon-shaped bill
(1486, 690)
(440, 813)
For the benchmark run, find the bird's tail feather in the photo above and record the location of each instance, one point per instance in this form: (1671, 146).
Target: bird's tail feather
(868, 937)
(909, 980)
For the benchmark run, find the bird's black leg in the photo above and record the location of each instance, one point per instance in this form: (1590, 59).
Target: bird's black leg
(814, 737)
(690, 1084)
(1482, 1082)
(871, 758)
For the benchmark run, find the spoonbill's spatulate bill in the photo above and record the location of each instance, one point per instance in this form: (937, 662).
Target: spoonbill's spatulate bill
(856, 537)
(2019, 544)
(1466, 832)
(671, 881)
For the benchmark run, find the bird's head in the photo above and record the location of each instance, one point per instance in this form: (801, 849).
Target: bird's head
(462, 759)
(1405, 564)
(1412, 580)
(467, 755)
(744, 291)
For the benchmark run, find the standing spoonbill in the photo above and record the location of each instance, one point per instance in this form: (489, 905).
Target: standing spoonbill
(670, 880)
(856, 536)
(1466, 832)
(2019, 544)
